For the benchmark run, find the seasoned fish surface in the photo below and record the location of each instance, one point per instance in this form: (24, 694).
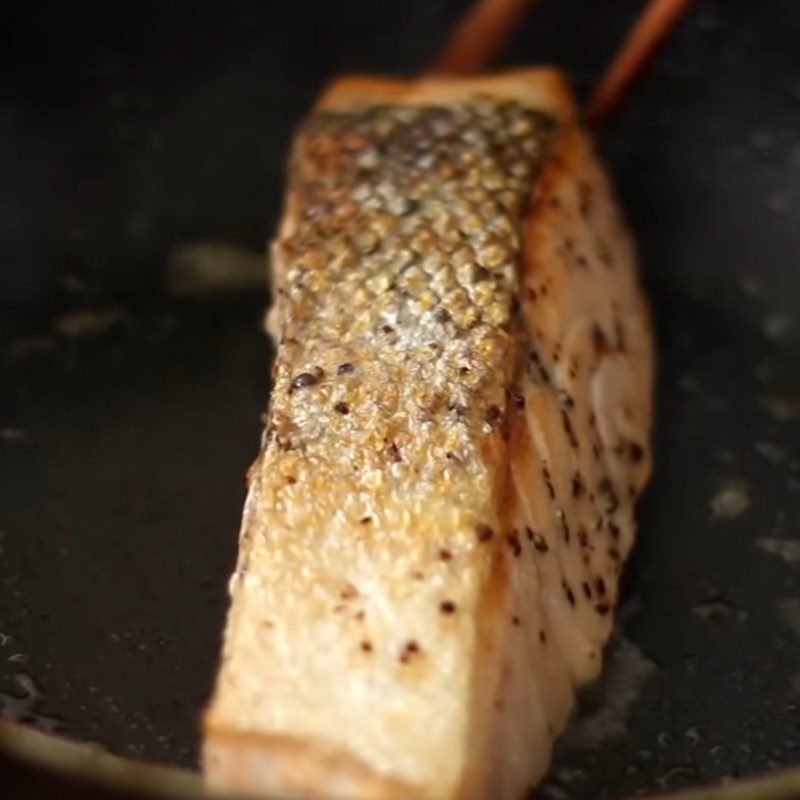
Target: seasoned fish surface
(457, 432)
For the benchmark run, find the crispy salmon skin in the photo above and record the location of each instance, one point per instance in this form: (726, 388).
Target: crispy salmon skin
(457, 435)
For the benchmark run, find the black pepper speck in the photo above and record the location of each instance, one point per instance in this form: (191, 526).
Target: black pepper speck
(410, 649)
(484, 532)
(569, 593)
(304, 380)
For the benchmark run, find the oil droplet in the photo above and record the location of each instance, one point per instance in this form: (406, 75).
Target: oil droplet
(568, 775)
(680, 773)
(22, 707)
(551, 790)
(606, 707)
(776, 325)
(731, 499)
(788, 550)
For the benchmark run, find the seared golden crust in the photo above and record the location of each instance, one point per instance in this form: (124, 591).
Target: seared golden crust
(397, 287)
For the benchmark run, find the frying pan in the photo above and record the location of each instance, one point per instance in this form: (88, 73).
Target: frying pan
(129, 411)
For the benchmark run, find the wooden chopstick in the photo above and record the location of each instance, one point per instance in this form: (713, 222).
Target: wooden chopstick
(487, 26)
(479, 36)
(640, 45)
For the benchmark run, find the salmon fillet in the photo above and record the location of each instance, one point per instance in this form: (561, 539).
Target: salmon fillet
(458, 432)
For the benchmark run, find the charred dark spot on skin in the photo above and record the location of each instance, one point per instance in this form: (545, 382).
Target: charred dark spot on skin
(536, 365)
(484, 532)
(542, 635)
(341, 407)
(578, 486)
(548, 481)
(569, 430)
(307, 379)
(587, 590)
(393, 454)
(366, 646)
(411, 650)
(635, 452)
(457, 409)
(518, 399)
(566, 400)
(366, 520)
(291, 480)
(599, 340)
(602, 608)
(347, 368)
(284, 443)
(516, 621)
(445, 555)
(583, 537)
(600, 585)
(573, 370)
(447, 607)
(607, 490)
(443, 316)
(387, 329)
(570, 595)
(598, 523)
(564, 525)
(493, 415)
(537, 539)
(513, 542)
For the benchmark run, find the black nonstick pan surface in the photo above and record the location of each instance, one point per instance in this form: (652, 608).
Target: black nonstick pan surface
(129, 406)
